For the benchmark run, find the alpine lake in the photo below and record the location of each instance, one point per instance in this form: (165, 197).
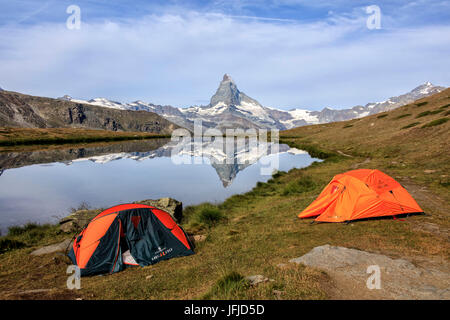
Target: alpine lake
(42, 186)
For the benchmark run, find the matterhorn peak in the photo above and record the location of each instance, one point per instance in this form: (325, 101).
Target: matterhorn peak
(226, 77)
(227, 93)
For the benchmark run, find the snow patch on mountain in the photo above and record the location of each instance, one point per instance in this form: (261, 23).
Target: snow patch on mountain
(300, 114)
(103, 102)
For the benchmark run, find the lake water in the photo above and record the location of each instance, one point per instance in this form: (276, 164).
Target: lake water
(42, 186)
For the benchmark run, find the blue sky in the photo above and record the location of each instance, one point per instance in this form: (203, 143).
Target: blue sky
(284, 53)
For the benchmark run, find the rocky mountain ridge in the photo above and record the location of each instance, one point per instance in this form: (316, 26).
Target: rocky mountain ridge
(20, 110)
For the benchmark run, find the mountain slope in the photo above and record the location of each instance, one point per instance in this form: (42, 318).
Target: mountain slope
(20, 110)
(424, 90)
(413, 140)
(231, 108)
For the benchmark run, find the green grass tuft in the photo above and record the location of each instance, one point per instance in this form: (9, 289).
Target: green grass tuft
(210, 216)
(429, 112)
(20, 230)
(304, 184)
(32, 233)
(421, 103)
(382, 116)
(7, 244)
(231, 286)
(411, 125)
(445, 184)
(205, 215)
(402, 116)
(278, 174)
(435, 122)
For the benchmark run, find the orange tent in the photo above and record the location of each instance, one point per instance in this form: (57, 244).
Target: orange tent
(128, 234)
(360, 194)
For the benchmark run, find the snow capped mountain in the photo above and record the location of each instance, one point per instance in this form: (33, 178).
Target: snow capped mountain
(231, 108)
(421, 91)
(331, 115)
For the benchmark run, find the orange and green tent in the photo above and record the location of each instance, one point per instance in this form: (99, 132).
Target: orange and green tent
(361, 194)
(128, 234)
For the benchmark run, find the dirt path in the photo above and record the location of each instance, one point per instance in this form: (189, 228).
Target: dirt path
(425, 197)
(433, 205)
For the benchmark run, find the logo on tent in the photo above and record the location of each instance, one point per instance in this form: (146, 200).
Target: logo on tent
(162, 253)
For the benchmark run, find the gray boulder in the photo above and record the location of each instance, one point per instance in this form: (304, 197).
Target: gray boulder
(257, 279)
(399, 278)
(77, 220)
(58, 247)
(172, 206)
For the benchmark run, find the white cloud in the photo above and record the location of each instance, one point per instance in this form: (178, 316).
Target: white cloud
(179, 58)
